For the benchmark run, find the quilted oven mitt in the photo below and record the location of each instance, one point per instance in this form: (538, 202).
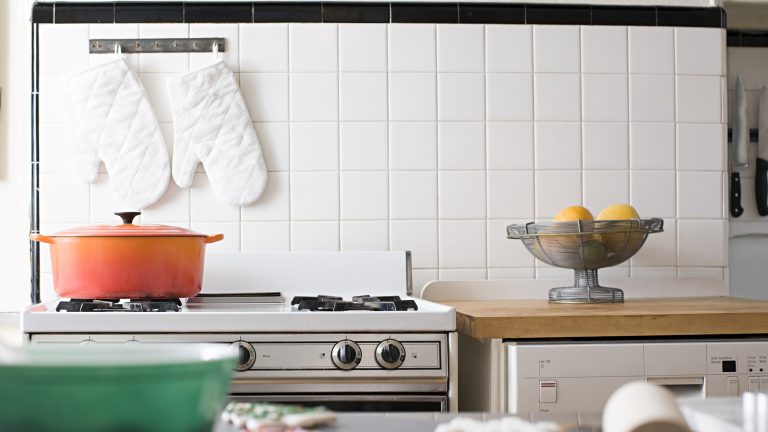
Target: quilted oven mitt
(211, 125)
(115, 123)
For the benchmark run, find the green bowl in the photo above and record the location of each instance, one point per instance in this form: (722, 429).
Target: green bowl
(169, 388)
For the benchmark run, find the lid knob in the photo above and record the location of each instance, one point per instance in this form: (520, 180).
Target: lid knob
(127, 217)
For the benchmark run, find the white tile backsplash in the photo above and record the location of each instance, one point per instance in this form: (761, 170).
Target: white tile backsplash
(508, 48)
(313, 47)
(557, 97)
(362, 48)
(461, 195)
(460, 48)
(460, 96)
(412, 48)
(314, 146)
(314, 97)
(603, 49)
(558, 145)
(364, 195)
(461, 146)
(433, 138)
(412, 146)
(314, 196)
(556, 48)
(606, 145)
(652, 146)
(412, 97)
(509, 97)
(651, 50)
(698, 99)
(363, 96)
(604, 97)
(651, 98)
(266, 95)
(266, 236)
(699, 51)
(462, 244)
(265, 47)
(364, 235)
(363, 146)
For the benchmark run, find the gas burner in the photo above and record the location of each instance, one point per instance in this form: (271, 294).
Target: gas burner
(113, 305)
(325, 303)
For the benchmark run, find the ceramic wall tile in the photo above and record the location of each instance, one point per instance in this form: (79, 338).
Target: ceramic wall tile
(556, 48)
(461, 146)
(434, 137)
(267, 47)
(412, 146)
(603, 49)
(362, 48)
(461, 195)
(313, 47)
(412, 48)
(651, 50)
(460, 48)
(363, 145)
(508, 48)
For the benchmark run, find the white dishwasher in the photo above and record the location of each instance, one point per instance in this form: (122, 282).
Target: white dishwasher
(579, 376)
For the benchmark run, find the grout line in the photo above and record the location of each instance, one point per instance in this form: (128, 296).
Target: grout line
(437, 152)
(290, 121)
(338, 130)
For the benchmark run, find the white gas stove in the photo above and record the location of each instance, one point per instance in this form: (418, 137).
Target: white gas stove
(339, 329)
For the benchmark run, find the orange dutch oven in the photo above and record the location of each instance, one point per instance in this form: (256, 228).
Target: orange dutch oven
(127, 261)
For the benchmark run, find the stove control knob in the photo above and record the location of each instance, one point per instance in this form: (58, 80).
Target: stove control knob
(390, 354)
(246, 355)
(346, 355)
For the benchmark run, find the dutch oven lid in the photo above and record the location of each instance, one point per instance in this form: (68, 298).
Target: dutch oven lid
(128, 229)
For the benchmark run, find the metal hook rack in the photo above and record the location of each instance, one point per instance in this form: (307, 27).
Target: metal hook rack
(192, 45)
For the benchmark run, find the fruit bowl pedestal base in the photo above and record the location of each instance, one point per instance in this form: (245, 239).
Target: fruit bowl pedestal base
(586, 289)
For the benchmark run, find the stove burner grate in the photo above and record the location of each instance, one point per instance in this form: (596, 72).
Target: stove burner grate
(115, 305)
(323, 303)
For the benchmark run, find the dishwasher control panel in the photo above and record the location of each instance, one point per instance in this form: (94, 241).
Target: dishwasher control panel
(580, 376)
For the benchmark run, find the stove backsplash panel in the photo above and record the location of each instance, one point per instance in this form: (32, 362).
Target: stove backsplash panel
(432, 138)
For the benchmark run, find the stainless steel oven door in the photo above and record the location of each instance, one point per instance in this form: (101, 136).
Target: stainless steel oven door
(356, 402)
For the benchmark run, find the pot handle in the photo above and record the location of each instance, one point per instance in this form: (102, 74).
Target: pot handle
(41, 238)
(214, 238)
(127, 217)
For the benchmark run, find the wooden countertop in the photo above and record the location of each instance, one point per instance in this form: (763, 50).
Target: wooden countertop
(530, 319)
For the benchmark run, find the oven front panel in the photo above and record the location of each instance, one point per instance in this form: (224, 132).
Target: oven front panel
(357, 402)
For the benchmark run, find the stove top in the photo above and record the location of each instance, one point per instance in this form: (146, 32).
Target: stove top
(326, 303)
(116, 305)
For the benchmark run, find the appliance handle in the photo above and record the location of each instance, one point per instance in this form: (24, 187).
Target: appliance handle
(681, 386)
(677, 381)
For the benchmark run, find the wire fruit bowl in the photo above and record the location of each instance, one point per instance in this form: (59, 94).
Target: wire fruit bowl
(585, 247)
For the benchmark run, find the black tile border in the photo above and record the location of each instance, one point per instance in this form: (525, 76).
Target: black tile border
(217, 12)
(385, 12)
(356, 12)
(747, 38)
(146, 12)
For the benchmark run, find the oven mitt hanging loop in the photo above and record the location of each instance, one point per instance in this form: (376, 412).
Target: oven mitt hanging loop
(211, 125)
(115, 123)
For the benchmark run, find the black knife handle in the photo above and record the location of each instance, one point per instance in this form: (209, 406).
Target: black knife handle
(761, 187)
(736, 208)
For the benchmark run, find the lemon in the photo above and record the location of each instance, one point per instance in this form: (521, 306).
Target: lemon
(618, 212)
(574, 213)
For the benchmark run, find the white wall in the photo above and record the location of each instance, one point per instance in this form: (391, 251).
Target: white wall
(14, 154)
(434, 137)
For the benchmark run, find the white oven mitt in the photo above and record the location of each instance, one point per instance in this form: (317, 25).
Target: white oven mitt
(211, 125)
(115, 123)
